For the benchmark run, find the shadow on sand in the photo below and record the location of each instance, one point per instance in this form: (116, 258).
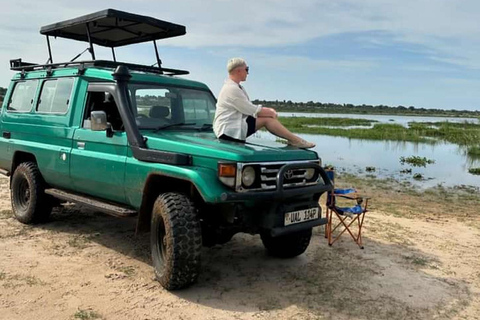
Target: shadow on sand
(383, 281)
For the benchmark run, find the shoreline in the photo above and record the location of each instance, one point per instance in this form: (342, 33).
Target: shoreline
(467, 115)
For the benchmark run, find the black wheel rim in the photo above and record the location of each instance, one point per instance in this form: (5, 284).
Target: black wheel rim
(22, 194)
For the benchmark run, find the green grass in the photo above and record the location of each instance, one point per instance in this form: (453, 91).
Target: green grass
(418, 261)
(393, 132)
(79, 242)
(475, 171)
(86, 315)
(473, 151)
(5, 214)
(464, 134)
(17, 280)
(128, 270)
(334, 122)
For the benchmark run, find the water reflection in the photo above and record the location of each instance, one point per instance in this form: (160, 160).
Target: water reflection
(354, 155)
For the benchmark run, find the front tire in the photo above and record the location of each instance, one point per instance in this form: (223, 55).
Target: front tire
(176, 241)
(287, 246)
(30, 204)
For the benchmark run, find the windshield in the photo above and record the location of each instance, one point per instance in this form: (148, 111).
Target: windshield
(157, 107)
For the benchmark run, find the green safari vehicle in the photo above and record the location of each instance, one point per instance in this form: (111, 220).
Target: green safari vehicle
(130, 139)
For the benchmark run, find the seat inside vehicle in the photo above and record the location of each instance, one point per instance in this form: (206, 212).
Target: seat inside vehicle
(157, 116)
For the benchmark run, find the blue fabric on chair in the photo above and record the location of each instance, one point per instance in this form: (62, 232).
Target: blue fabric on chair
(355, 209)
(344, 191)
(355, 213)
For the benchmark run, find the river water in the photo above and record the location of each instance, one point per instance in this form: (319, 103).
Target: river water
(355, 155)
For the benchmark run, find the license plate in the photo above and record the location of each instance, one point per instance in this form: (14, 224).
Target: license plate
(301, 216)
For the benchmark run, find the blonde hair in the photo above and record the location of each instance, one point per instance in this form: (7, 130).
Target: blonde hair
(235, 63)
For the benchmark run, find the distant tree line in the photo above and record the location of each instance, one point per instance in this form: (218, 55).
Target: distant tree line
(310, 106)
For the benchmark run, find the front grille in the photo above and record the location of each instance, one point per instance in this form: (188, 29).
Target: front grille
(267, 176)
(292, 178)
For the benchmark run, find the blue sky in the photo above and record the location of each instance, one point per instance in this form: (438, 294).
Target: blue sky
(421, 53)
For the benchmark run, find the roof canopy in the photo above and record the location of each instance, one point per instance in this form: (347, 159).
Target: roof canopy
(113, 28)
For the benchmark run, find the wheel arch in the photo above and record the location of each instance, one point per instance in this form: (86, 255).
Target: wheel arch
(157, 184)
(20, 157)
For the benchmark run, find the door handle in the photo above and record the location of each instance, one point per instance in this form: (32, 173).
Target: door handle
(81, 145)
(7, 135)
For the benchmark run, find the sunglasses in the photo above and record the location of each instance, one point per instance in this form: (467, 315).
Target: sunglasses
(246, 69)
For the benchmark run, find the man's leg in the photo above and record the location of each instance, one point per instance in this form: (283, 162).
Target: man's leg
(275, 127)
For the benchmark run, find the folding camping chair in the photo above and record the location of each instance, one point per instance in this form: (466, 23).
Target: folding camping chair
(342, 213)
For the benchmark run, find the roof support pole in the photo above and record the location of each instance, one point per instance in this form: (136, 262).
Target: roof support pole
(92, 52)
(159, 62)
(49, 51)
(113, 54)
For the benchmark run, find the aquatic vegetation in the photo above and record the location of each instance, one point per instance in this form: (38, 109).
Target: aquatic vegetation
(380, 131)
(416, 161)
(332, 122)
(475, 171)
(474, 151)
(418, 176)
(464, 133)
(461, 133)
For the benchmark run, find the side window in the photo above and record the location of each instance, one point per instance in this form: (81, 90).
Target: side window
(55, 96)
(103, 101)
(23, 96)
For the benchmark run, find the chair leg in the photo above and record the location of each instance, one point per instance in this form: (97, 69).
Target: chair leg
(359, 219)
(326, 225)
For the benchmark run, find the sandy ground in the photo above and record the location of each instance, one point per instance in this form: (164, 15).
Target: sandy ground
(417, 264)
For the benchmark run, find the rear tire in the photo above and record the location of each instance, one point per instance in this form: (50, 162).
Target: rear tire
(30, 204)
(176, 241)
(287, 246)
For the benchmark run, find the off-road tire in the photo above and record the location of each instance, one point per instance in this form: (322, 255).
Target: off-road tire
(287, 246)
(176, 241)
(30, 204)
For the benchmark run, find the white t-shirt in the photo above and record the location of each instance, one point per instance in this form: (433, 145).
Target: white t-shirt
(233, 108)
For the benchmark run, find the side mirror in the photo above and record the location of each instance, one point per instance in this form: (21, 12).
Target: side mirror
(98, 121)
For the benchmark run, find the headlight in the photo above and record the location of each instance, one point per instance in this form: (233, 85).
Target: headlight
(248, 176)
(309, 173)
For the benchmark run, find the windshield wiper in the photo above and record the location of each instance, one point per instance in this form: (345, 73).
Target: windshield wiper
(205, 126)
(174, 125)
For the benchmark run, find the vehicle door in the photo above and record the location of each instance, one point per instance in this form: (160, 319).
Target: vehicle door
(97, 164)
(40, 125)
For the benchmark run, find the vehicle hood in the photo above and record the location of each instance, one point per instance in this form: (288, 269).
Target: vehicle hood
(205, 144)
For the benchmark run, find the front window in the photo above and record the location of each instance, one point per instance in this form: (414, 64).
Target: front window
(155, 107)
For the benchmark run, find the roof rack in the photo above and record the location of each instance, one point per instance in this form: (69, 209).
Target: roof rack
(109, 28)
(19, 65)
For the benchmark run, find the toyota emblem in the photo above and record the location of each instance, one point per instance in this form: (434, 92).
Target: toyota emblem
(288, 175)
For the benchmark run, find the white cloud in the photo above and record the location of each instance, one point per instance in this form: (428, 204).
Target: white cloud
(273, 22)
(287, 63)
(443, 30)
